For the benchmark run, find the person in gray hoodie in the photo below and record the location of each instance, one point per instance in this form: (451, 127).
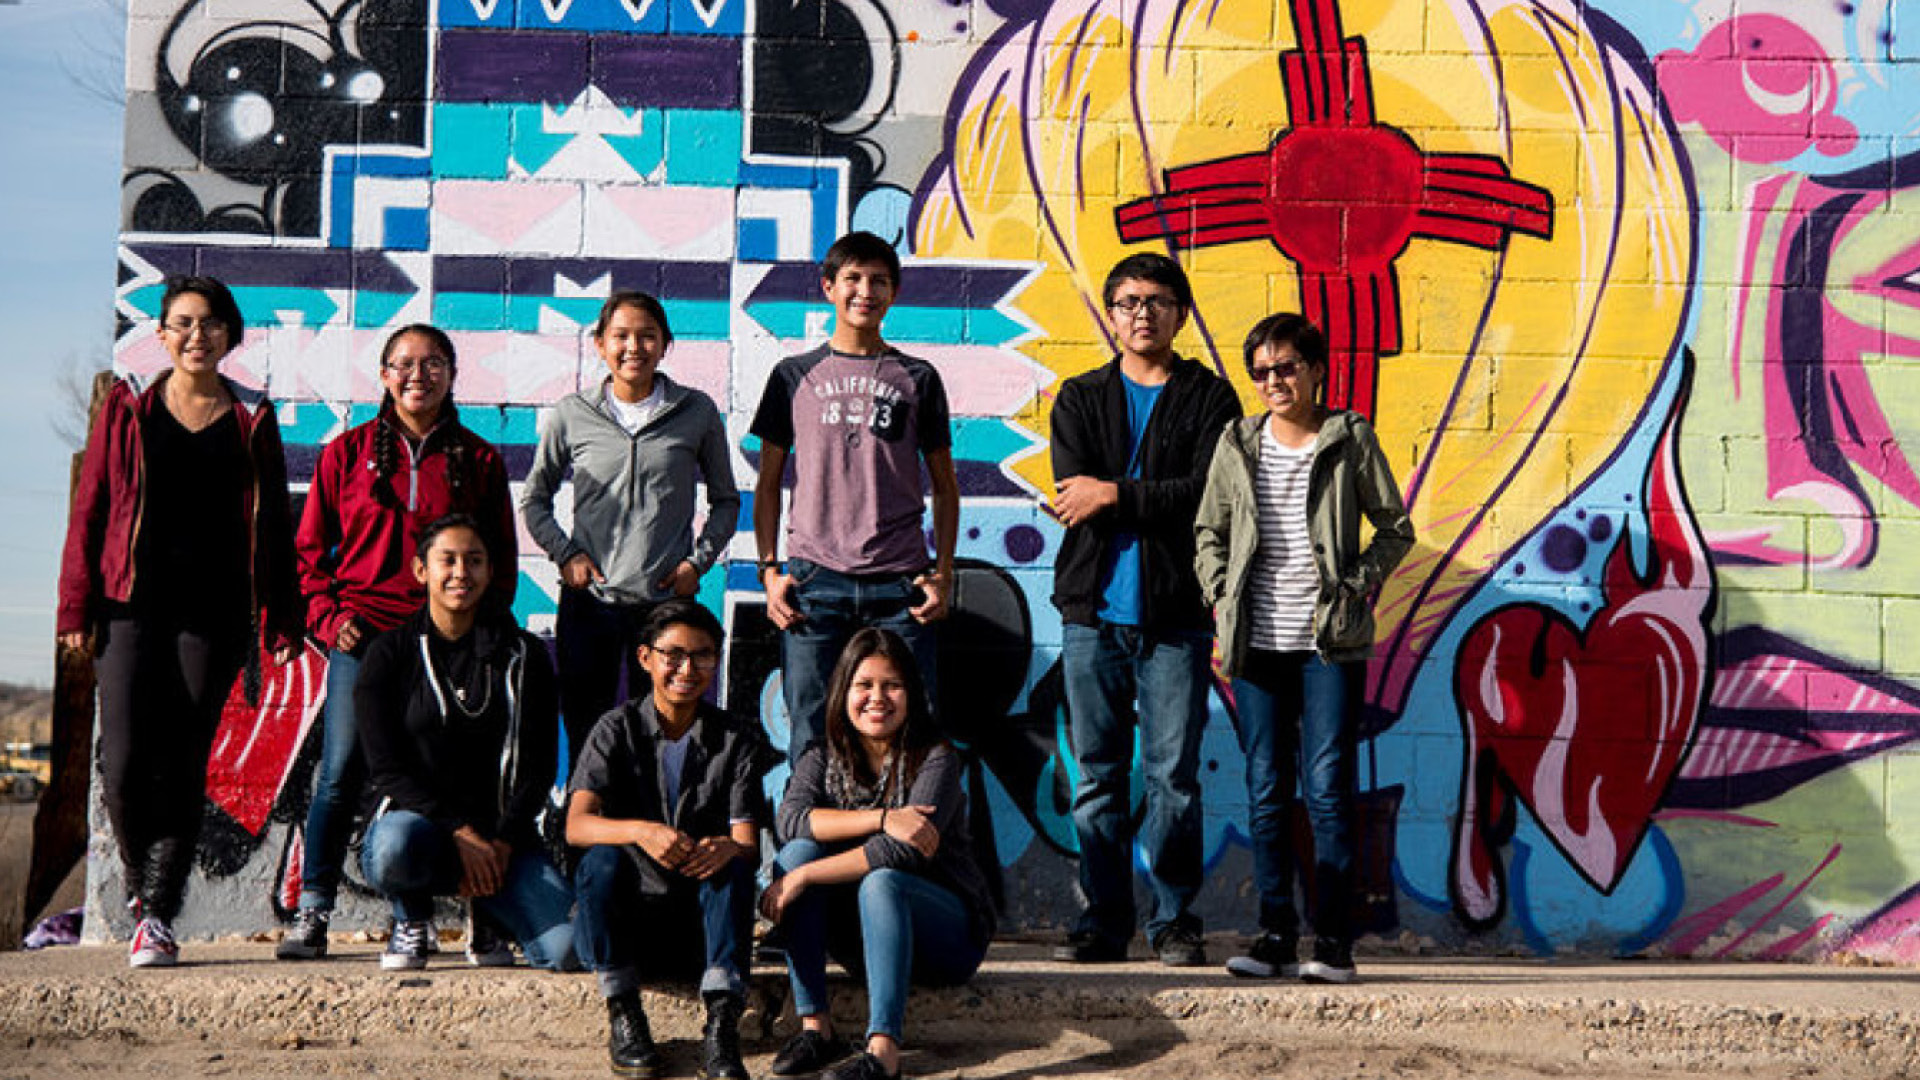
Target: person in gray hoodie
(639, 445)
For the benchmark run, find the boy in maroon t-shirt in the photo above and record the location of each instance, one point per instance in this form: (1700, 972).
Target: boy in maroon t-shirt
(857, 416)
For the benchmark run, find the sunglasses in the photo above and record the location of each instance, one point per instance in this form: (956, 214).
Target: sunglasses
(1285, 369)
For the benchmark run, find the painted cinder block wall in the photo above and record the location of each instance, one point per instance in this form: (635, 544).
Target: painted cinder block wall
(1631, 289)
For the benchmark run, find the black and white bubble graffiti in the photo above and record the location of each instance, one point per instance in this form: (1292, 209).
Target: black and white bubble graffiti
(257, 101)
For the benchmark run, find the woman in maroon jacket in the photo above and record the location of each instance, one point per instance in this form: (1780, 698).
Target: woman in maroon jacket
(179, 543)
(374, 490)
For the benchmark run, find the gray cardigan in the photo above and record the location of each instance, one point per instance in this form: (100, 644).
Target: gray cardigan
(633, 495)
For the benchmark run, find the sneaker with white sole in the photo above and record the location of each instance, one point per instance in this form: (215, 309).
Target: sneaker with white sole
(1332, 963)
(1271, 956)
(152, 944)
(407, 948)
(306, 939)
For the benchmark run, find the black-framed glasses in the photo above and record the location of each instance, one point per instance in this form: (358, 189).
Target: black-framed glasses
(432, 365)
(675, 658)
(1284, 369)
(1153, 305)
(185, 327)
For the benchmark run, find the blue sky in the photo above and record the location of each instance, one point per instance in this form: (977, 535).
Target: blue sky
(59, 216)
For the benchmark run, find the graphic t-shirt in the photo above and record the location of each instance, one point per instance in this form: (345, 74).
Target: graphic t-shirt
(1120, 593)
(857, 427)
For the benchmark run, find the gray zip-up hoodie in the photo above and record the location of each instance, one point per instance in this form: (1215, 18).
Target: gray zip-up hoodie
(633, 495)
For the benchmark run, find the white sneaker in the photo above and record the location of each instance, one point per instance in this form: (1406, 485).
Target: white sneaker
(152, 945)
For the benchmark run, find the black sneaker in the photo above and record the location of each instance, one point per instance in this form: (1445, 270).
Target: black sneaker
(486, 946)
(1181, 946)
(861, 1066)
(1271, 956)
(630, 1045)
(306, 939)
(809, 1052)
(720, 1042)
(1089, 947)
(407, 949)
(1332, 963)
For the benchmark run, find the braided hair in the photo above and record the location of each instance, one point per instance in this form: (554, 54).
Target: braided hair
(386, 450)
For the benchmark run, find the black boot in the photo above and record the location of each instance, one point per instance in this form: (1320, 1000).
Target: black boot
(720, 1047)
(164, 878)
(629, 1042)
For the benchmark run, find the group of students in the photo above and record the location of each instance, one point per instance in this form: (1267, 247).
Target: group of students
(443, 718)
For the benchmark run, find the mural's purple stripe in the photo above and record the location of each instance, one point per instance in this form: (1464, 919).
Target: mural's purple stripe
(1080, 153)
(301, 268)
(495, 65)
(1566, 66)
(976, 479)
(985, 480)
(1027, 150)
(687, 280)
(921, 286)
(668, 72)
(553, 66)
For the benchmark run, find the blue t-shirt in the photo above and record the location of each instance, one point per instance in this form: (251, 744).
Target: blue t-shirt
(1120, 591)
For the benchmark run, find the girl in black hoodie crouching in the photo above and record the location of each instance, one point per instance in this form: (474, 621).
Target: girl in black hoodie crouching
(457, 716)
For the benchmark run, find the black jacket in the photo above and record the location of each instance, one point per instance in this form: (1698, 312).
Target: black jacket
(720, 783)
(1089, 438)
(426, 754)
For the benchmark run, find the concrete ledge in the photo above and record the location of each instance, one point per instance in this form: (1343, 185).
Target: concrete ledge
(232, 1010)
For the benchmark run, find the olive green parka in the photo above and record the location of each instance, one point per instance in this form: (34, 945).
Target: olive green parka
(1349, 478)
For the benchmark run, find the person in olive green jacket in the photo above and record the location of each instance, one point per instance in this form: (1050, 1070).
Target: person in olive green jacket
(1280, 559)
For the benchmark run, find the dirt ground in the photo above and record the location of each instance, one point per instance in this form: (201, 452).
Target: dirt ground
(232, 1011)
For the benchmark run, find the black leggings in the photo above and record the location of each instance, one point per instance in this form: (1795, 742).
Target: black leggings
(161, 691)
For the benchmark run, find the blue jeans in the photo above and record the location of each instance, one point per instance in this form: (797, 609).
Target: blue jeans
(1297, 714)
(703, 930)
(896, 927)
(1106, 669)
(336, 788)
(595, 643)
(411, 859)
(836, 606)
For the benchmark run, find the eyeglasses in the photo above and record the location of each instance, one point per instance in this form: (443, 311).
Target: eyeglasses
(1285, 369)
(1152, 305)
(432, 365)
(703, 660)
(209, 326)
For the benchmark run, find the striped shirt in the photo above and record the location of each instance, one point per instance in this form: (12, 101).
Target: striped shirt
(1284, 582)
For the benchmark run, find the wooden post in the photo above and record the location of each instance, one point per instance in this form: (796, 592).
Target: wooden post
(60, 822)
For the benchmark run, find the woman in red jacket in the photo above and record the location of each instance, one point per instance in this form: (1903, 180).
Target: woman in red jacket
(180, 542)
(374, 490)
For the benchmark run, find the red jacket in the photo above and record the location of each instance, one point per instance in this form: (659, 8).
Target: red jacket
(97, 564)
(357, 533)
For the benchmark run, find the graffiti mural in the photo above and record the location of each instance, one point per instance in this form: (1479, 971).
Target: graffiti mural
(1630, 289)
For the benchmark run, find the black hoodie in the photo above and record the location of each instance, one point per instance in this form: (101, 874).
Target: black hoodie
(487, 762)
